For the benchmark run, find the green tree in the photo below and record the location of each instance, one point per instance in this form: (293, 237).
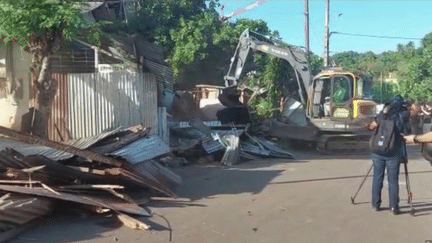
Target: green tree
(155, 19)
(184, 27)
(416, 78)
(347, 59)
(39, 26)
(191, 38)
(384, 91)
(316, 63)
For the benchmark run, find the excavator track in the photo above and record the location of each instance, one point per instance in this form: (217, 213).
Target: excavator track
(343, 143)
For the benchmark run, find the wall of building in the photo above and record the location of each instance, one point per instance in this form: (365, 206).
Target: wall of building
(88, 104)
(15, 92)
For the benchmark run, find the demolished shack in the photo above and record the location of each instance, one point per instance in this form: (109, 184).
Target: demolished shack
(114, 171)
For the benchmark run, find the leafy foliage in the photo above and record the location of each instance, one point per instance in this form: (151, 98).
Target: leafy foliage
(191, 39)
(384, 91)
(184, 27)
(38, 20)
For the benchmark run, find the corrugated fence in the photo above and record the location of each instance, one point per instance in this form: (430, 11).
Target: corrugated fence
(91, 103)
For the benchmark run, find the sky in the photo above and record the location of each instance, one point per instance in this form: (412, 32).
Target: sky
(402, 19)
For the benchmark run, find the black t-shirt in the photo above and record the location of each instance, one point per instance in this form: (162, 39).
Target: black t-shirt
(403, 127)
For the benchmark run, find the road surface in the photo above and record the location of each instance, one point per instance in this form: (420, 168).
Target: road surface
(303, 200)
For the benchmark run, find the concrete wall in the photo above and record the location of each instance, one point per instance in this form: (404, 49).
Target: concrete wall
(15, 95)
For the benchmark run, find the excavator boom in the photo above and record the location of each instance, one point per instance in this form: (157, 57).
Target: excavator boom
(296, 57)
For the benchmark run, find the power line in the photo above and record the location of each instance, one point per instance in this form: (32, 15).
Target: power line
(376, 36)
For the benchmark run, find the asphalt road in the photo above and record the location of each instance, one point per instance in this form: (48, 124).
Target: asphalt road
(303, 200)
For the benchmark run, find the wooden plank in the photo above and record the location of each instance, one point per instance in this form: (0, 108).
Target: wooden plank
(132, 223)
(92, 187)
(87, 170)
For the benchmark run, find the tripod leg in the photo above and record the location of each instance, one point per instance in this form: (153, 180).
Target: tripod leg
(412, 210)
(364, 179)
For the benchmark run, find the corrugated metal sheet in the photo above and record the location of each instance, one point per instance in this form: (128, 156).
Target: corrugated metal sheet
(163, 130)
(150, 51)
(20, 209)
(211, 145)
(100, 102)
(114, 203)
(10, 158)
(164, 75)
(53, 154)
(143, 149)
(57, 129)
(152, 169)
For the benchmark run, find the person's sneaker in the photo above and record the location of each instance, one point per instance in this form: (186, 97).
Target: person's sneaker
(395, 210)
(376, 209)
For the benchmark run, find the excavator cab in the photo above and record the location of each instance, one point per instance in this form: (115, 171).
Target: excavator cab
(331, 96)
(337, 95)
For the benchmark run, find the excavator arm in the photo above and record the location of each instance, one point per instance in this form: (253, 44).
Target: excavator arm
(295, 56)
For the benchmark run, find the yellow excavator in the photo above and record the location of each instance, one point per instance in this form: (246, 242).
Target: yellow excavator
(328, 109)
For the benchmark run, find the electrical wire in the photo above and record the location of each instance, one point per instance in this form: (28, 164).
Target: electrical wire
(376, 36)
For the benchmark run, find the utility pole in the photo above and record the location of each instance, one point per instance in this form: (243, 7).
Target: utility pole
(381, 88)
(326, 34)
(306, 24)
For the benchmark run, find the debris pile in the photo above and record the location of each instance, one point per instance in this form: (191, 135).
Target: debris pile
(114, 172)
(227, 144)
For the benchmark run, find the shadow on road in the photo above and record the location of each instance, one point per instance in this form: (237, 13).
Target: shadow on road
(232, 180)
(421, 208)
(341, 178)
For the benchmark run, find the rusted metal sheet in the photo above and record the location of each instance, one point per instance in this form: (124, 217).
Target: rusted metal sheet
(20, 209)
(57, 128)
(12, 159)
(152, 169)
(51, 153)
(67, 148)
(143, 149)
(17, 213)
(141, 178)
(119, 140)
(103, 101)
(112, 202)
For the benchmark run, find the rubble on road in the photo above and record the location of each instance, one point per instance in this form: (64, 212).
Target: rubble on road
(113, 172)
(227, 144)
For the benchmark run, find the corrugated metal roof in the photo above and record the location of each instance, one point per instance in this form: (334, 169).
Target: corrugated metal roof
(53, 154)
(211, 145)
(164, 75)
(114, 203)
(20, 209)
(143, 149)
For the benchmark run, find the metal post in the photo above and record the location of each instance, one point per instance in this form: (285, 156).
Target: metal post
(306, 24)
(326, 34)
(381, 88)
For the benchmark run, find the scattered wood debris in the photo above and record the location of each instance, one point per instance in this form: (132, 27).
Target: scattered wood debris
(101, 175)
